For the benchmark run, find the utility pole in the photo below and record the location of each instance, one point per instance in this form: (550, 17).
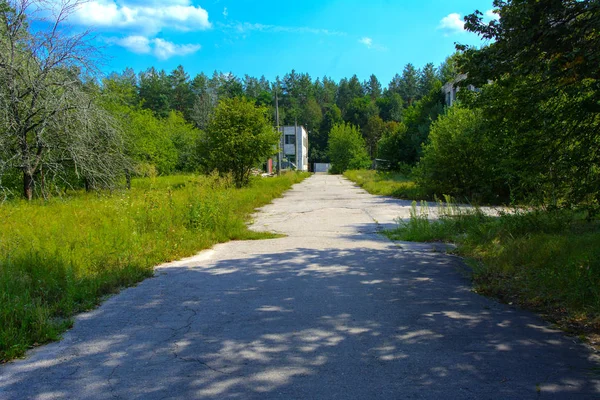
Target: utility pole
(296, 141)
(281, 144)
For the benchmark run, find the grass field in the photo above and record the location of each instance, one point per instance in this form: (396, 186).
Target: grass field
(548, 261)
(385, 184)
(61, 256)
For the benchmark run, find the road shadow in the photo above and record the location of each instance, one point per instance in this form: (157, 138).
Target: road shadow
(347, 322)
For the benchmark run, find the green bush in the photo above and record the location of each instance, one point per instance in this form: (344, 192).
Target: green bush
(390, 145)
(347, 149)
(460, 161)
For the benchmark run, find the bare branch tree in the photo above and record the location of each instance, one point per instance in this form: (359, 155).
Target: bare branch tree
(47, 114)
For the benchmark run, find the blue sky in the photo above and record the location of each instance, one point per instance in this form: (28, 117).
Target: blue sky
(271, 37)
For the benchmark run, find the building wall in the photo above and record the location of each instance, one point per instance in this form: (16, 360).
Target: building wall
(450, 89)
(296, 147)
(302, 146)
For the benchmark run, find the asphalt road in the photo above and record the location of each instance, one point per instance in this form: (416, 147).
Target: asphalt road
(333, 311)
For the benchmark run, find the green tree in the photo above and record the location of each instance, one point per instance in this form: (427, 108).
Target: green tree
(418, 119)
(148, 142)
(238, 138)
(360, 110)
(182, 97)
(122, 87)
(205, 100)
(428, 80)
(347, 149)
(448, 70)
(391, 106)
(185, 138)
(155, 91)
(373, 88)
(409, 84)
(348, 90)
(372, 133)
(544, 104)
(390, 145)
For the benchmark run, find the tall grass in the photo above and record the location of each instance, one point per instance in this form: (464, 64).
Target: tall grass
(61, 256)
(545, 260)
(386, 184)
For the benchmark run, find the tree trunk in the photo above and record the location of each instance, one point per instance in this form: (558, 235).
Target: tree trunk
(27, 185)
(128, 179)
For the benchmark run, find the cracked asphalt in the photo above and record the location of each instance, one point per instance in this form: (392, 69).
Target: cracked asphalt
(332, 311)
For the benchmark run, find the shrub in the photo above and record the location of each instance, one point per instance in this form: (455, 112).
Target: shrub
(347, 149)
(459, 160)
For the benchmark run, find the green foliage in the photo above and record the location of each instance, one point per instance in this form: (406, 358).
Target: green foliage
(544, 104)
(373, 88)
(239, 137)
(347, 149)
(418, 119)
(155, 92)
(408, 86)
(80, 249)
(546, 260)
(459, 160)
(121, 88)
(360, 110)
(390, 145)
(181, 95)
(391, 106)
(449, 70)
(315, 104)
(185, 138)
(372, 132)
(148, 140)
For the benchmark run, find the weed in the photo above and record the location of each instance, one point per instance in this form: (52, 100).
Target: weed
(61, 256)
(385, 183)
(545, 260)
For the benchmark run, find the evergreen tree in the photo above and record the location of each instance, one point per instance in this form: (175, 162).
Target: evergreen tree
(373, 88)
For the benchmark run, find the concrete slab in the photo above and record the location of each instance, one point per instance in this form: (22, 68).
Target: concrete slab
(334, 310)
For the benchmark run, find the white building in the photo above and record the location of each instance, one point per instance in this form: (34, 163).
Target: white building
(295, 146)
(450, 89)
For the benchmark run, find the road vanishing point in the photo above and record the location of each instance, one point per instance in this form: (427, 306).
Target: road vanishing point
(334, 310)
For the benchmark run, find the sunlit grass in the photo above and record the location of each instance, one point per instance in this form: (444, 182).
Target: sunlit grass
(545, 260)
(62, 256)
(385, 183)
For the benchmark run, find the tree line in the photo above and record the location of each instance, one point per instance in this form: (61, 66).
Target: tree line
(64, 126)
(413, 97)
(529, 133)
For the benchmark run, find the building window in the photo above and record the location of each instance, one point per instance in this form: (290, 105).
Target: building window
(289, 139)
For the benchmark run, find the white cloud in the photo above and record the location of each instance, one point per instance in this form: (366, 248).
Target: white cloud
(451, 24)
(135, 44)
(244, 27)
(225, 12)
(148, 17)
(164, 49)
(367, 41)
(160, 48)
